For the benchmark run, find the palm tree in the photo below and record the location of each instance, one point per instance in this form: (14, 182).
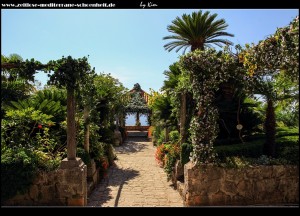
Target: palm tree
(266, 88)
(197, 31)
(271, 90)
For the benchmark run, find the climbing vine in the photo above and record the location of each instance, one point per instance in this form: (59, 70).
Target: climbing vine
(207, 70)
(278, 51)
(70, 73)
(14, 67)
(275, 56)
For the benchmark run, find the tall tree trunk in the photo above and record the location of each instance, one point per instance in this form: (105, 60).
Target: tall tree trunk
(86, 112)
(270, 129)
(71, 127)
(183, 118)
(166, 133)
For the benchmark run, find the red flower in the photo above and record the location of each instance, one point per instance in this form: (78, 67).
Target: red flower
(105, 165)
(40, 126)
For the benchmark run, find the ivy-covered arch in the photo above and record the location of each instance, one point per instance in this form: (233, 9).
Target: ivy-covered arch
(207, 70)
(279, 51)
(65, 72)
(276, 55)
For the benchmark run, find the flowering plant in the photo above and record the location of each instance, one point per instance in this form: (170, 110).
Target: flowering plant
(278, 51)
(104, 165)
(208, 69)
(160, 154)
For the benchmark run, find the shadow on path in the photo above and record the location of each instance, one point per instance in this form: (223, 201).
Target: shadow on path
(135, 179)
(132, 145)
(116, 177)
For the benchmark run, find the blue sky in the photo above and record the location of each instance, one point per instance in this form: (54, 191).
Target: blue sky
(126, 43)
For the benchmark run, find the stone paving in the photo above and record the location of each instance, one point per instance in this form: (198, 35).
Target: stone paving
(135, 180)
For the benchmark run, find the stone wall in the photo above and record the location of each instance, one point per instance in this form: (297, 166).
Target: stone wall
(42, 192)
(65, 186)
(260, 185)
(93, 177)
(118, 140)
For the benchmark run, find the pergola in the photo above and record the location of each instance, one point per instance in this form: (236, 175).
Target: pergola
(138, 103)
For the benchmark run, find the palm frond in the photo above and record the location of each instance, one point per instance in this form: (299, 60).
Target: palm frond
(197, 29)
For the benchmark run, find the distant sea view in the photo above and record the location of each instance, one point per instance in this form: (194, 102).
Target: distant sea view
(130, 120)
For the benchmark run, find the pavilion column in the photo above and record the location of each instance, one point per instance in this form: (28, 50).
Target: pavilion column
(137, 123)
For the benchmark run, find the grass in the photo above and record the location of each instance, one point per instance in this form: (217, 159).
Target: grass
(287, 141)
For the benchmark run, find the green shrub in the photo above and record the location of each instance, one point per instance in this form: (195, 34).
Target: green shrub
(241, 162)
(85, 157)
(18, 168)
(227, 141)
(235, 162)
(46, 161)
(254, 137)
(289, 117)
(106, 135)
(20, 165)
(110, 152)
(265, 160)
(253, 149)
(172, 154)
(97, 150)
(291, 154)
(169, 164)
(160, 153)
(280, 132)
(21, 126)
(161, 138)
(156, 134)
(28, 145)
(174, 136)
(286, 131)
(287, 141)
(103, 165)
(288, 149)
(186, 149)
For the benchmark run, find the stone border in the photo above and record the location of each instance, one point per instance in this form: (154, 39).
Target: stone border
(210, 185)
(66, 186)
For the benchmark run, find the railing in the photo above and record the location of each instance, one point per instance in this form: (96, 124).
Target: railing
(137, 128)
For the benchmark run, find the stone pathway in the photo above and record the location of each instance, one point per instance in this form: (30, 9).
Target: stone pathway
(135, 179)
